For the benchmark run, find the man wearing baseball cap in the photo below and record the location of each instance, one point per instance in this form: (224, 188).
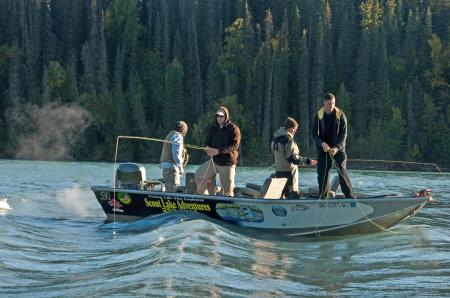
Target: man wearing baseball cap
(222, 145)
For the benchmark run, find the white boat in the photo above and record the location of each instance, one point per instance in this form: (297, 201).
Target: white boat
(134, 198)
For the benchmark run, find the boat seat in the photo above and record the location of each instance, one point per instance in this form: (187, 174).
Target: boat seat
(271, 189)
(254, 186)
(314, 191)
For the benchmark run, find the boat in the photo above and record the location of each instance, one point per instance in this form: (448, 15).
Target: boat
(259, 208)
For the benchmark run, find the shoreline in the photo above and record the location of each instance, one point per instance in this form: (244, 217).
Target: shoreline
(352, 164)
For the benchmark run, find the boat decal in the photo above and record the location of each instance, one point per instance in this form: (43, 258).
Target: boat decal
(124, 198)
(104, 196)
(170, 204)
(279, 210)
(236, 212)
(337, 205)
(116, 206)
(299, 208)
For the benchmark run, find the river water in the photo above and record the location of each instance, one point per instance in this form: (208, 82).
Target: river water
(54, 243)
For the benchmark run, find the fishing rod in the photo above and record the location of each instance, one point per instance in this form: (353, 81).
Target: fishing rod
(157, 140)
(271, 166)
(139, 138)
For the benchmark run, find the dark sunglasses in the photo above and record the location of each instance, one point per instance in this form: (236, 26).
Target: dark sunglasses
(219, 116)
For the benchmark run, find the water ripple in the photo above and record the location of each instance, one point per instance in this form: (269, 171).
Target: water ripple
(54, 243)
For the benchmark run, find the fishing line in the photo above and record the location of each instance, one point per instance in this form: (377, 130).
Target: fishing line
(354, 194)
(203, 180)
(320, 198)
(400, 161)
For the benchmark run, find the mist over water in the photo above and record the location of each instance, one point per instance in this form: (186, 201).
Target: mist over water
(75, 199)
(54, 243)
(48, 132)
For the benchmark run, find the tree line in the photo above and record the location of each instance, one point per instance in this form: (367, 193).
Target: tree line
(137, 66)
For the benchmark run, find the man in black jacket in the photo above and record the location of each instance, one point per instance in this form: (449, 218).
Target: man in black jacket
(329, 131)
(222, 145)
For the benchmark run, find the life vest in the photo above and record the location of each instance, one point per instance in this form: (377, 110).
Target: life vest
(166, 153)
(321, 112)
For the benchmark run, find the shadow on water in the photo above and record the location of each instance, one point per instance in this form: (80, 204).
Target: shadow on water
(151, 223)
(170, 220)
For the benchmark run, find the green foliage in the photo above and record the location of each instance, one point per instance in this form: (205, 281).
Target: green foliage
(141, 65)
(5, 57)
(173, 94)
(105, 116)
(389, 137)
(440, 55)
(231, 62)
(371, 12)
(344, 100)
(102, 108)
(56, 80)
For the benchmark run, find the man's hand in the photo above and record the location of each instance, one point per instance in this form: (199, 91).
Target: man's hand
(333, 151)
(211, 151)
(313, 162)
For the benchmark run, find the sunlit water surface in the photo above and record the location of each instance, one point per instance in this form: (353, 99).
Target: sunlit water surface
(54, 243)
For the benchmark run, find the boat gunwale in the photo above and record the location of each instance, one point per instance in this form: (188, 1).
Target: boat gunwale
(385, 198)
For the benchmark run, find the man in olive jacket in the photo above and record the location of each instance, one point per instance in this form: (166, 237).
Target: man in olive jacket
(329, 131)
(222, 145)
(287, 157)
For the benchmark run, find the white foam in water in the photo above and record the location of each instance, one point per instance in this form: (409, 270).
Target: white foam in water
(4, 206)
(76, 199)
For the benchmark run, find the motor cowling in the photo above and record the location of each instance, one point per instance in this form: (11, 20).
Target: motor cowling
(130, 176)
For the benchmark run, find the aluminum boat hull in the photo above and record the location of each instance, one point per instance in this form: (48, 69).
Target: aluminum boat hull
(288, 217)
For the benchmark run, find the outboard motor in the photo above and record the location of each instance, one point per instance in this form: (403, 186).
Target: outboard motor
(130, 176)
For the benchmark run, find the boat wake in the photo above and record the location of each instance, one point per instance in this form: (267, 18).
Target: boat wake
(4, 206)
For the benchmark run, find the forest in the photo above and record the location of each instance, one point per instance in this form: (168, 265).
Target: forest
(75, 74)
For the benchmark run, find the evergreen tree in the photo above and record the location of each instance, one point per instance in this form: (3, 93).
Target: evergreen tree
(318, 79)
(174, 106)
(388, 61)
(304, 105)
(268, 79)
(15, 78)
(214, 87)
(49, 42)
(345, 52)
(280, 101)
(328, 54)
(165, 30)
(149, 23)
(194, 79)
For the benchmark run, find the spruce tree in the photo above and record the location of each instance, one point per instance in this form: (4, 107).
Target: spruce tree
(268, 78)
(173, 109)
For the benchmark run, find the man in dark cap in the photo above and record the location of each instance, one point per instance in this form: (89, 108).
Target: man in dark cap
(329, 131)
(222, 145)
(173, 156)
(287, 157)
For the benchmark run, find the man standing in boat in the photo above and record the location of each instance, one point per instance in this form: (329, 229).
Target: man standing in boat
(174, 156)
(222, 145)
(329, 131)
(287, 157)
